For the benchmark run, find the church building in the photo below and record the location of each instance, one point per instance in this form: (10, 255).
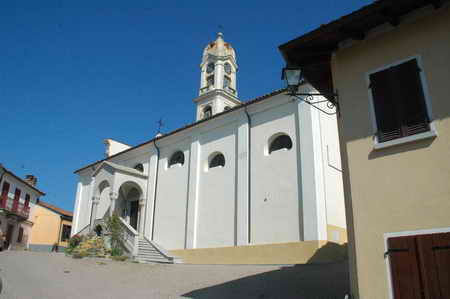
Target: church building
(255, 182)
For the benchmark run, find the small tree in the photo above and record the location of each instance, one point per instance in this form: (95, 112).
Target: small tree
(114, 227)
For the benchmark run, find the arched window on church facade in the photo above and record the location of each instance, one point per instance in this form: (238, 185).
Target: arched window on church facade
(280, 142)
(217, 160)
(207, 111)
(139, 167)
(177, 158)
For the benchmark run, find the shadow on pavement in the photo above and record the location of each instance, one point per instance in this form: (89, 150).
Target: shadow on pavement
(313, 280)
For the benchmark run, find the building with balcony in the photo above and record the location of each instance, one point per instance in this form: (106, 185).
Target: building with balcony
(17, 198)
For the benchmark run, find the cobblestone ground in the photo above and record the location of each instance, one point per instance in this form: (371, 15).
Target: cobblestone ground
(29, 275)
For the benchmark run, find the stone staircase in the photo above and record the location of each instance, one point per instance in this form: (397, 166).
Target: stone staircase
(150, 252)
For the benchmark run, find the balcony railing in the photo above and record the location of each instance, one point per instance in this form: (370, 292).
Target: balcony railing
(14, 207)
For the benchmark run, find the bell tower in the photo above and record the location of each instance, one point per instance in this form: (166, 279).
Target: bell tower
(218, 68)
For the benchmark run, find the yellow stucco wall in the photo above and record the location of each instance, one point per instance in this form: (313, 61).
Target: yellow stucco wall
(283, 253)
(405, 187)
(337, 234)
(47, 227)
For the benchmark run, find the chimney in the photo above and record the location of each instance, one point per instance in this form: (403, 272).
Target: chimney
(31, 179)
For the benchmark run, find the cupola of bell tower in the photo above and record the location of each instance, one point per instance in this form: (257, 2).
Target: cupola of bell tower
(218, 91)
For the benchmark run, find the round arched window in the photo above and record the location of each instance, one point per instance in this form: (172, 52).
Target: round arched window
(177, 158)
(217, 161)
(139, 167)
(279, 143)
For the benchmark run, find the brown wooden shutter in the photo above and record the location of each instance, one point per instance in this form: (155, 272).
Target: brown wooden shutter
(410, 98)
(388, 122)
(434, 252)
(406, 282)
(399, 101)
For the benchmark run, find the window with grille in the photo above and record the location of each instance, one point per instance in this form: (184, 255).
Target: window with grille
(399, 101)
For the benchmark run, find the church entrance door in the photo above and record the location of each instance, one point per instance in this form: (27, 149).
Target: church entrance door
(134, 209)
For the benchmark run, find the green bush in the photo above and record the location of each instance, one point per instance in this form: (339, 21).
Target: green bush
(115, 229)
(75, 241)
(68, 250)
(116, 251)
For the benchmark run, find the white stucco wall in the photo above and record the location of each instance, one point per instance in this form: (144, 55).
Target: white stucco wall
(171, 199)
(294, 193)
(275, 202)
(216, 190)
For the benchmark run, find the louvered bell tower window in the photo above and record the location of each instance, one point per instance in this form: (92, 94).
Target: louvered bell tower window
(399, 101)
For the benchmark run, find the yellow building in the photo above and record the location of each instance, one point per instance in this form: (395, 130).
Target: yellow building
(51, 227)
(390, 63)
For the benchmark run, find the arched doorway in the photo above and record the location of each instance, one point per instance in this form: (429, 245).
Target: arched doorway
(128, 203)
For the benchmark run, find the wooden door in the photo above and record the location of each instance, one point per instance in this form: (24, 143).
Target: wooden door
(404, 268)
(420, 266)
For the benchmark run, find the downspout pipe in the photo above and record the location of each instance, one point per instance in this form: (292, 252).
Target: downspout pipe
(155, 184)
(249, 122)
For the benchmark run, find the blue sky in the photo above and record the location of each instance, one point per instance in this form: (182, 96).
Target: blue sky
(73, 73)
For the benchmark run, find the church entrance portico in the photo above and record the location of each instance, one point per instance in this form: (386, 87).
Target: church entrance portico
(129, 205)
(119, 189)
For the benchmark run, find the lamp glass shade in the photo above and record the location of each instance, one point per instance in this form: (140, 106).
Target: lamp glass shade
(292, 76)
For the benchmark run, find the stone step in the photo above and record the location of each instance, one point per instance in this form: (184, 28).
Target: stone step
(154, 261)
(145, 257)
(148, 249)
(150, 256)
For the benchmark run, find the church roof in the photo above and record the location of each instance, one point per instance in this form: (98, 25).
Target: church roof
(253, 101)
(219, 48)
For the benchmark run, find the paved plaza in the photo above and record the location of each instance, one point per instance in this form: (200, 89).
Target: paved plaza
(29, 275)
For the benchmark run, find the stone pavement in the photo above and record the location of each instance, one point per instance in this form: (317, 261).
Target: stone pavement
(29, 275)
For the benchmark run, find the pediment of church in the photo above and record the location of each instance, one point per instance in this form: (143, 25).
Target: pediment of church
(110, 168)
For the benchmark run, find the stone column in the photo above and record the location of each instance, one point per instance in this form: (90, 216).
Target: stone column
(95, 202)
(112, 207)
(141, 216)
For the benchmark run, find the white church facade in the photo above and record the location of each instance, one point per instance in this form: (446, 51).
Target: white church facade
(248, 182)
